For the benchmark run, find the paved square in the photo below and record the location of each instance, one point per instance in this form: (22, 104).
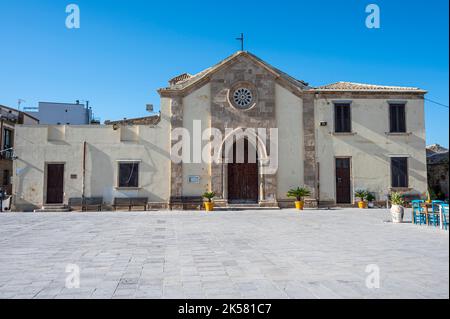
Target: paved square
(269, 254)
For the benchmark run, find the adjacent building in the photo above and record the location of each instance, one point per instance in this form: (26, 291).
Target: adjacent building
(9, 118)
(333, 139)
(62, 113)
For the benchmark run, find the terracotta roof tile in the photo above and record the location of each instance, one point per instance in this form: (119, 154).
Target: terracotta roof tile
(148, 120)
(351, 86)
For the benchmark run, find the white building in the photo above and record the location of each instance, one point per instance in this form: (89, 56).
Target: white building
(9, 118)
(333, 139)
(62, 113)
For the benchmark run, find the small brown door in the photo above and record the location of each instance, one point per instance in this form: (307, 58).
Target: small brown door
(243, 179)
(343, 190)
(55, 183)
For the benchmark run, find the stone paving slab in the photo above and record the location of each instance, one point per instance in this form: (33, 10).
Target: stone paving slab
(249, 254)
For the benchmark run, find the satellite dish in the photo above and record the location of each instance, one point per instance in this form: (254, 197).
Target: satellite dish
(150, 108)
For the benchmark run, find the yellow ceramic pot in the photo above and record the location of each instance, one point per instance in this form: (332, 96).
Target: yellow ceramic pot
(209, 207)
(362, 205)
(299, 205)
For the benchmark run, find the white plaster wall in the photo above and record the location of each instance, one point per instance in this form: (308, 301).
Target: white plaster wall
(104, 150)
(289, 112)
(197, 107)
(370, 148)
(54, 113)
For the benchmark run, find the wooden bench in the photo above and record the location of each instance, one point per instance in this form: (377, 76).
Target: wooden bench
(76, 203)
(186, 202)
(130, 202)
(86, 204)
(139, 201)
(94, 202)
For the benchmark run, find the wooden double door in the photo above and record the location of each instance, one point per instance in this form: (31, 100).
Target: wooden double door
(243, 177)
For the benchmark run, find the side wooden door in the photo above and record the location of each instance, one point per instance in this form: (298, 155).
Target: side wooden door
(55, 183)
(343, 185)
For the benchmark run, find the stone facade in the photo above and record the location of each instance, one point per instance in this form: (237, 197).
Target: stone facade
(176, 170)
(244, 69)
(310, 162)
(262, 115)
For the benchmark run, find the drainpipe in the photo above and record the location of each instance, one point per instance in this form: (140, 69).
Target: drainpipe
(83, 180)
(318, 186)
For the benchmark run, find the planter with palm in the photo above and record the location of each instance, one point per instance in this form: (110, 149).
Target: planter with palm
(209, 204)
(361, 194)
(299, 194)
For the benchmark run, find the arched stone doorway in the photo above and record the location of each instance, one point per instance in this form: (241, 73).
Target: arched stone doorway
(243, 173)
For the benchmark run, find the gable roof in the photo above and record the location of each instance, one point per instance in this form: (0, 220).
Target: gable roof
(19, 112)
(186, 81)
(362, 87)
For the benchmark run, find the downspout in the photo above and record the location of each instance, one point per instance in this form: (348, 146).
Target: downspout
(318, 185)
(83, 179)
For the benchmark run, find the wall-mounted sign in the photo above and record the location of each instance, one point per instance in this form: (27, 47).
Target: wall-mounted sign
(194, 179)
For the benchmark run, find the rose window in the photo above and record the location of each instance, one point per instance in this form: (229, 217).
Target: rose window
(243, 97)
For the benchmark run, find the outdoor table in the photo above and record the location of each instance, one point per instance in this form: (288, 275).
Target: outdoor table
(426, 205)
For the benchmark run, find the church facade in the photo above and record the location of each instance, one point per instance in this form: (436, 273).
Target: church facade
(333, 139)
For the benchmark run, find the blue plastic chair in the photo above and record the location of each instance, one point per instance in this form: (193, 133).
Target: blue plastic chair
(435, 205)
(434, 219)
(445, 216)
(418, 212)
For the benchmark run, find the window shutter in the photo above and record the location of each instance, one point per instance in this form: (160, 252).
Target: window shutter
(401, 119)
(337, 118)
(397, 119)
(393, 119)
(347, 126)
(399, 171)
(342, 119)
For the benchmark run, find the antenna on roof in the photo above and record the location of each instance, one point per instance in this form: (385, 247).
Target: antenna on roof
(242, 41)
(19, 103)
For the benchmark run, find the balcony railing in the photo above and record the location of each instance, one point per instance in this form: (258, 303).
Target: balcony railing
(7, 154)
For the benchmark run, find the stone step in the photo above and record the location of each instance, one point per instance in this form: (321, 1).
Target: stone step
(53, 209)
(244, 208)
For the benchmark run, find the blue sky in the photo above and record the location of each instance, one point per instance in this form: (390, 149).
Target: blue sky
(126, 50)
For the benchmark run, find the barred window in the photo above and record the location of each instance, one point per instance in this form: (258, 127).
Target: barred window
(129, 174)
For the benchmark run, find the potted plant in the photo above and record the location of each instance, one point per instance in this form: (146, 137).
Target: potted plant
(397, 210)
(361, 194)
(370, 198)
(299, 194)
(209, 205)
